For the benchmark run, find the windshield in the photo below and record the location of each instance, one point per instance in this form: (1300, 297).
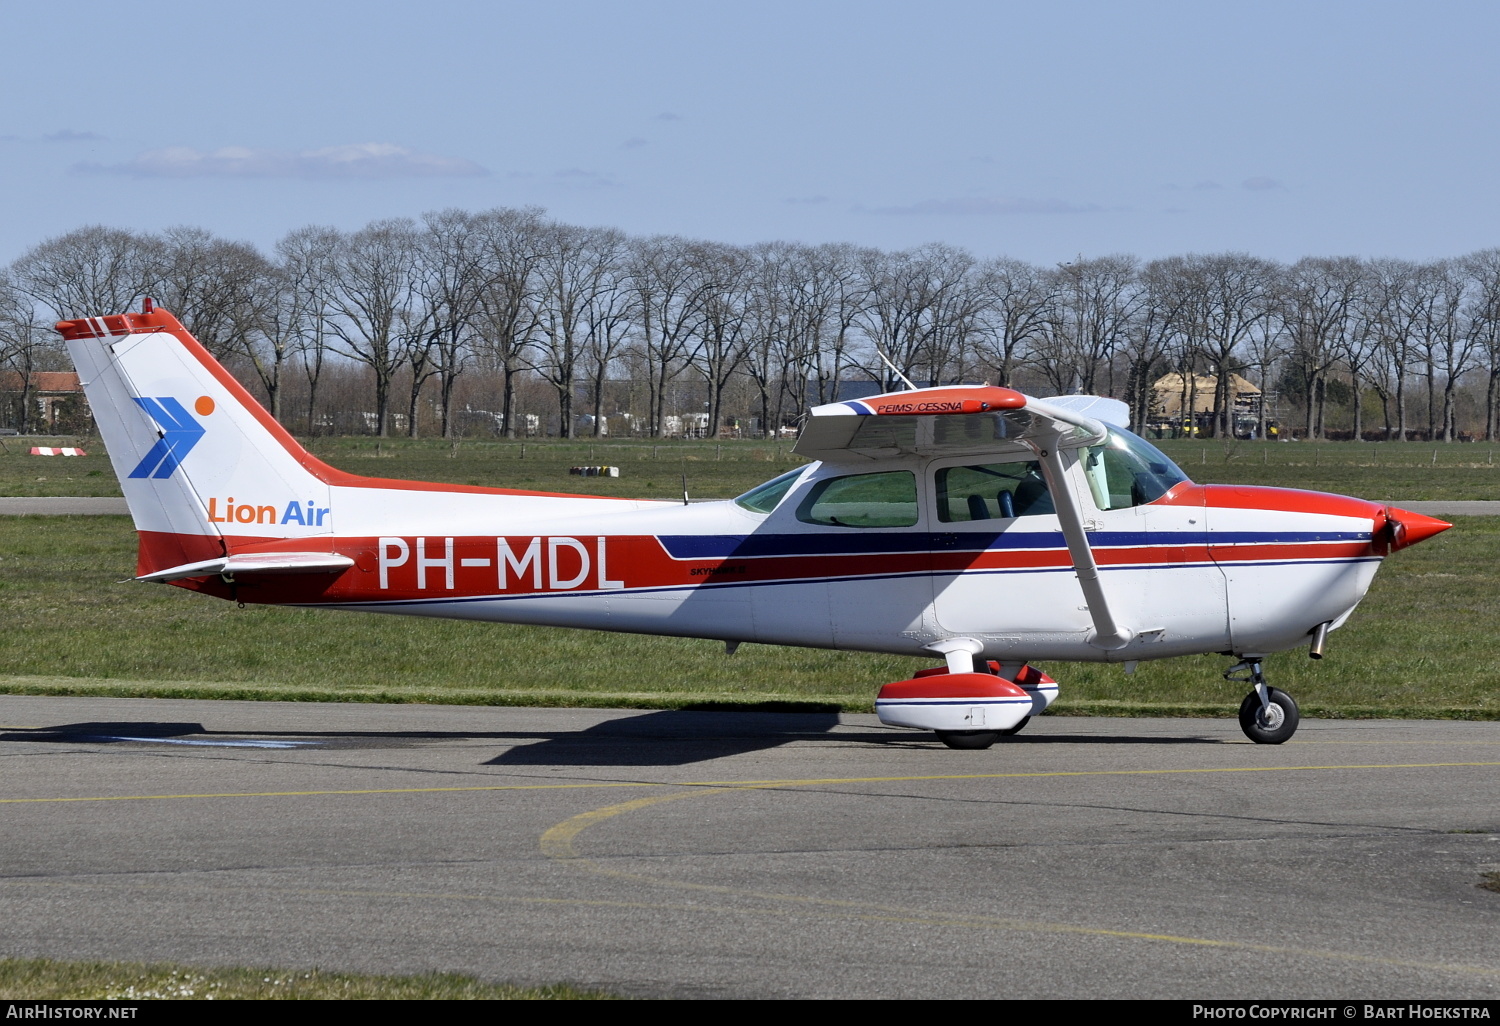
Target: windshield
(766, 497)
(1129, 471)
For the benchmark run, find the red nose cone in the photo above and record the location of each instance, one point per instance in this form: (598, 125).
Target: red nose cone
(1408, 528)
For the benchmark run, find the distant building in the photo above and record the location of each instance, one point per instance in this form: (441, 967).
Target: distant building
(686, 425)
(1185, 405)
(56, 400)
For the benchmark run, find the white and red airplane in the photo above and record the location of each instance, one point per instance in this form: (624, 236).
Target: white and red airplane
(976, 523)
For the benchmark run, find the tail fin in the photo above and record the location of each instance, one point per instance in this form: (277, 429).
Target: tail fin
(204, 467)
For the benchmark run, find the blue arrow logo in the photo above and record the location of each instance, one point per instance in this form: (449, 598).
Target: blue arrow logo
(180, 432)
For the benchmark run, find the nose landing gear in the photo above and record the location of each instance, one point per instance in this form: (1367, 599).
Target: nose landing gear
(1268, 716)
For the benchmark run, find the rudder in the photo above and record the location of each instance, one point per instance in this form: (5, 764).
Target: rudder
(203, 466)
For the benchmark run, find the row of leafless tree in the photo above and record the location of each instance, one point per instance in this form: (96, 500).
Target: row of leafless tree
(513, 294)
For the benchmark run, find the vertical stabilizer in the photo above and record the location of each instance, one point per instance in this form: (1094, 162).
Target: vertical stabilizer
(203, 467)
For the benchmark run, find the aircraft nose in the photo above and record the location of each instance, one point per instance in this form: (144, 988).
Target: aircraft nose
(1402, 527)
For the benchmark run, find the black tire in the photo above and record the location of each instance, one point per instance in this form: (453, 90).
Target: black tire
(1283, 709)
(1017, 728)
(968, 739)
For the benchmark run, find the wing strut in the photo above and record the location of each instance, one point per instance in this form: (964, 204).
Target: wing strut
(1109, 634)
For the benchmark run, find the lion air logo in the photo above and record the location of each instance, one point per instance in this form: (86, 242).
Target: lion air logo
(180, 431)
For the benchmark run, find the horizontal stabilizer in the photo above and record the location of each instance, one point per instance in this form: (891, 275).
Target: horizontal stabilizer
(256, 563)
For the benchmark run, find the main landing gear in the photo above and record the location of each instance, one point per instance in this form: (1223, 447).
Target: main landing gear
(1268, 716)
(971, 708)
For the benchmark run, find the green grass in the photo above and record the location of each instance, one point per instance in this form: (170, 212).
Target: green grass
(1422, 644)
(1383, 471)
(42, 979)
(649, 470)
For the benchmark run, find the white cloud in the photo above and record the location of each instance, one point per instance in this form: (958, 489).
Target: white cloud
(356, 160)
(1260, 183)
(974, 206)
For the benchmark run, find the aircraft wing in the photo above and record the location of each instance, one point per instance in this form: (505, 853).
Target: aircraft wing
(955, 421)
(988, 422)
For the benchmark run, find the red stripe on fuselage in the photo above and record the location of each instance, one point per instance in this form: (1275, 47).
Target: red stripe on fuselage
(555, 565)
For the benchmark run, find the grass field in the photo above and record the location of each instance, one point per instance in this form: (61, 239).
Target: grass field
(42, 979)
(1422, 644)
(1384, 471)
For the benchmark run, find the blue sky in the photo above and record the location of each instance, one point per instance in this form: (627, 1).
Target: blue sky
(1040, 131)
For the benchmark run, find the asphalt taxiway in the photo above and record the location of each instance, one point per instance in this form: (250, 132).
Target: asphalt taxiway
(755, 855)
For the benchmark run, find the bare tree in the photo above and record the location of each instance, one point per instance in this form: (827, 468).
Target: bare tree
(1096, 300)
(725, 327)
(1157, 320)
(668, 291)
(1395, 308)
(304, 297)
(610, 315)
(1233, 303)
(211, 285)
(451, 280)
(90, 272)
(1016, 301)
(510, 245)
(23, 342)
(803, 306)
(911, 294)
(577, 265)
(373, 298)
(1316, 303)
(1483, 269)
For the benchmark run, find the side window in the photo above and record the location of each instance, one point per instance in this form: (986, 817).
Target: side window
(992, 491)
(863, 500)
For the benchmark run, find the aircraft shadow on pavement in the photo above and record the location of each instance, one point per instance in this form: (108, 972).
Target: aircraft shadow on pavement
(665, 738)
(108, 732)
(669, 738)
(662, 738)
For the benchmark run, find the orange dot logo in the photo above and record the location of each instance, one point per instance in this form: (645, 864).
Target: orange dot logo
(204, 405)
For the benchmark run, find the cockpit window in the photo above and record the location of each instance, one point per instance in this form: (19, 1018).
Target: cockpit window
(863, 500)
(993, 491)
(766, 497)
(1128, 471)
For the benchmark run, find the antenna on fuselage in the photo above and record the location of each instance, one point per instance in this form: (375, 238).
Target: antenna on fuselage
(894, 370)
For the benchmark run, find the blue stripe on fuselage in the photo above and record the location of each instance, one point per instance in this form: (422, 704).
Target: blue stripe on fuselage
(741, 546)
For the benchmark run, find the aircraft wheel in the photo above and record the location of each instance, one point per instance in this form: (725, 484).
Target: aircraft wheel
(1017, 728)
(1272, 725)
(968, 739)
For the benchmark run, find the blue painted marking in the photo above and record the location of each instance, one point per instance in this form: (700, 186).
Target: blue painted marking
(180, 432)
(749, 546)
(689, 589)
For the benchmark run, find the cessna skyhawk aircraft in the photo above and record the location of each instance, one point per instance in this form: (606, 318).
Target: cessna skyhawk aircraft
(976, 523)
